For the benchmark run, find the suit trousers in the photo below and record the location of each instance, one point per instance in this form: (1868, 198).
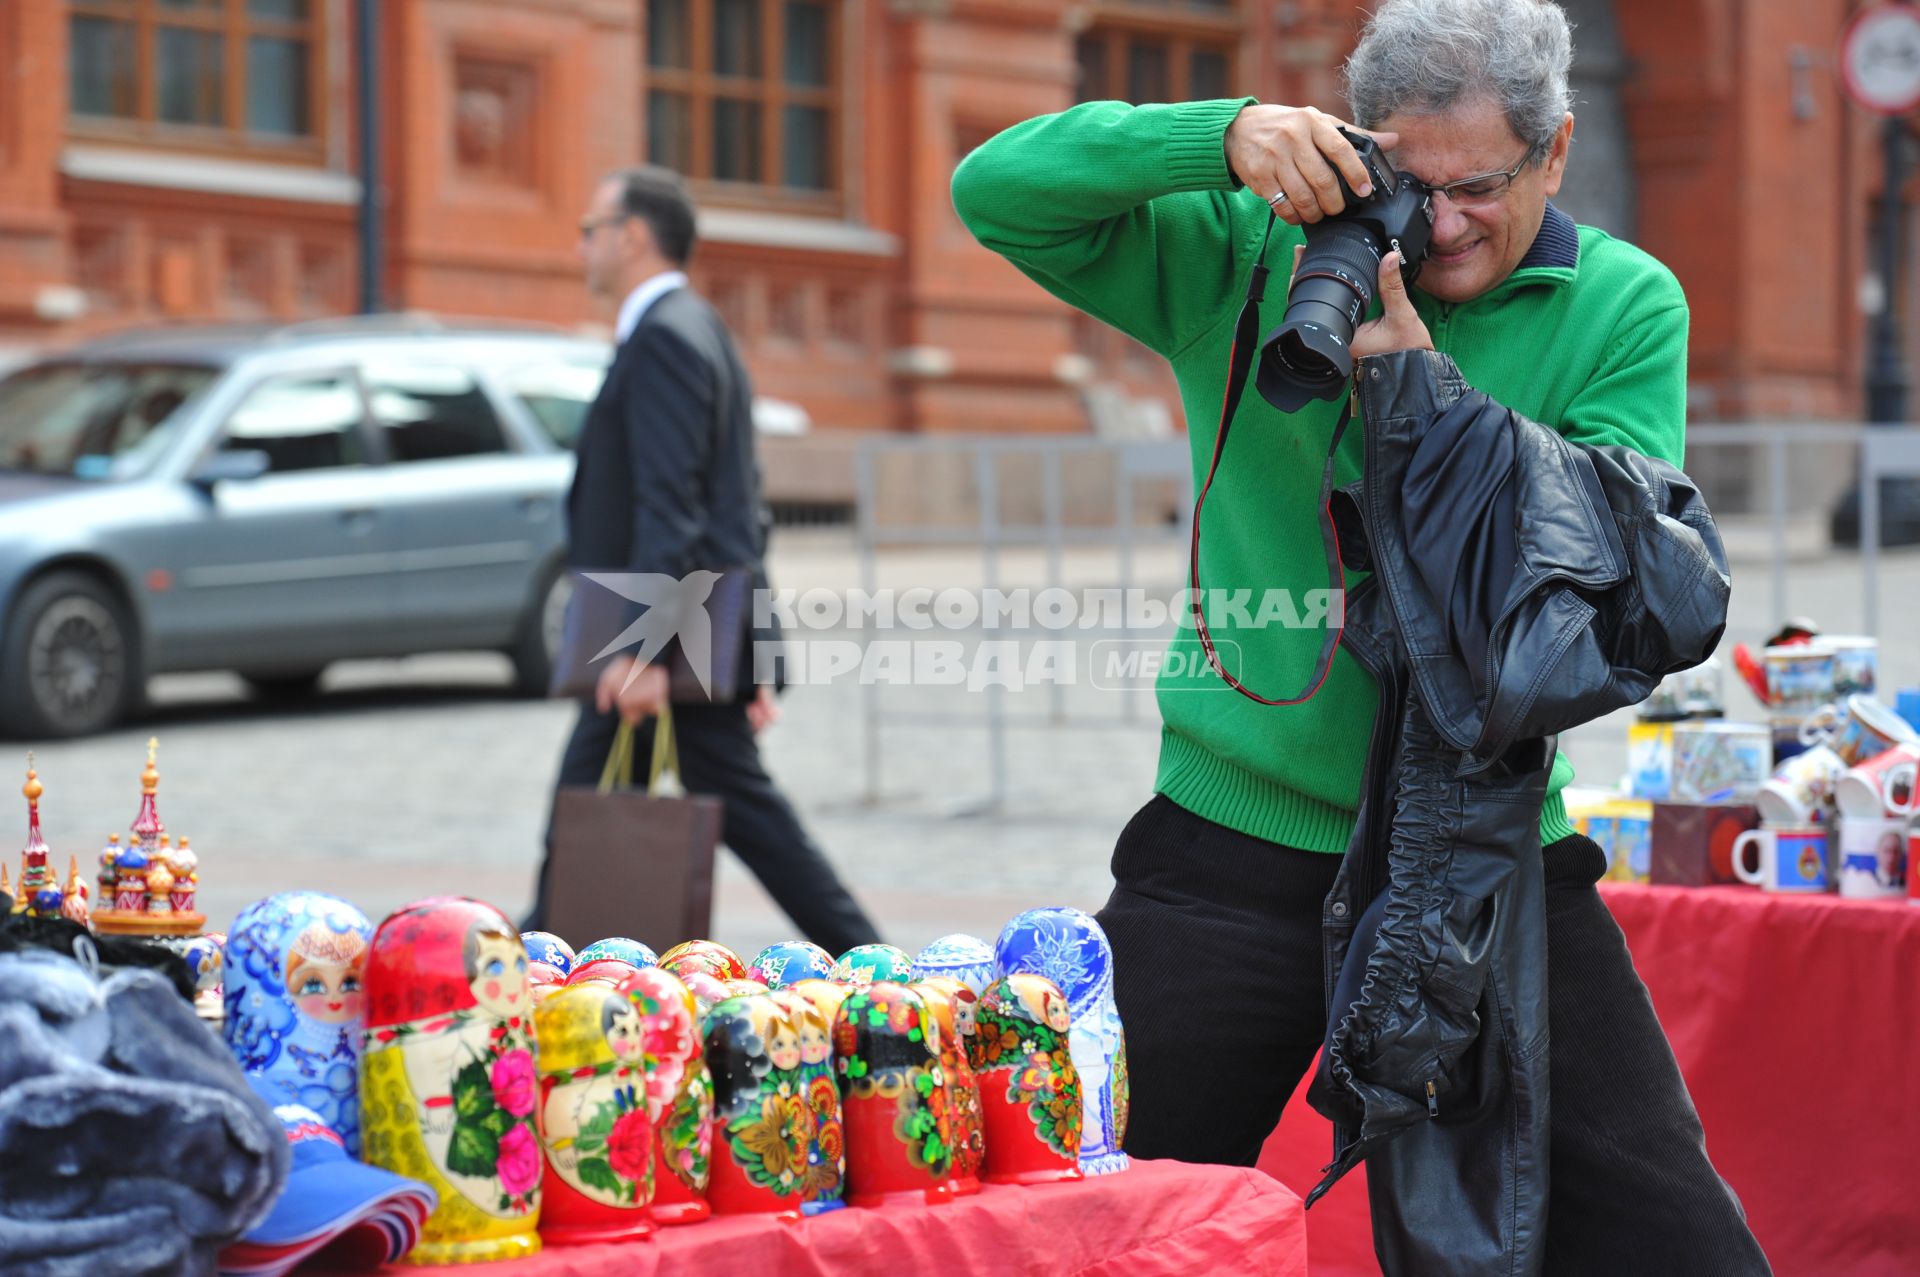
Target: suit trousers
(720, 757)
(1219, 975)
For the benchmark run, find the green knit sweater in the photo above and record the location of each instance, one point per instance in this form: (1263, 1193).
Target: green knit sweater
(1132, 215)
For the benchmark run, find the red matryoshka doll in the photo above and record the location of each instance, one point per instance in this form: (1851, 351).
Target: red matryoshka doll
(709, 956)
(1029, 1090)
(951, 1003)
(827, 1152)
(706, 991)
(604, 970)
(679, 1094)
(762, 1127)
(594, 1124)
(544, 980)
(899, 1125)
(447, 1079)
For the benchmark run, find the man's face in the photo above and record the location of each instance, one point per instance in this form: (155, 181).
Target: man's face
(1475, 247)
(609, 242)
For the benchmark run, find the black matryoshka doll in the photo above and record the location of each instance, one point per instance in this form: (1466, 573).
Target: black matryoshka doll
(895, 1098)
(762, 1126)
(680, 1094)
(447, 1079)
(595, 1126)
(952, 1003)
(827, 1153)
(1029, 1090)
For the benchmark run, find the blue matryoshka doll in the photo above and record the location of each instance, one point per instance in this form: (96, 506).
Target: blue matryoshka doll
(790, 962)
(966, 958)
(1069, 948)
(294, 1011)
(544, 946)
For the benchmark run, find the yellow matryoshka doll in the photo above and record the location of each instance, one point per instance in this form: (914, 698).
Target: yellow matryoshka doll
(594, 1122)
(447, 1079)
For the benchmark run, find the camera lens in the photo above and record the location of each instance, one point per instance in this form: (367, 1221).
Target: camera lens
(1309, 356)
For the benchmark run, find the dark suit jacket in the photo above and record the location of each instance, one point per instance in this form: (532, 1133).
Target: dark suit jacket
(666, 479)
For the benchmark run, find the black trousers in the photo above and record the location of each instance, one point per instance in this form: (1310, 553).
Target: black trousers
(719, 756)
(1218, 973)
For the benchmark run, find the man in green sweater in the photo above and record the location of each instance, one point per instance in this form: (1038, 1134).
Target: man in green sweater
(1151, 218)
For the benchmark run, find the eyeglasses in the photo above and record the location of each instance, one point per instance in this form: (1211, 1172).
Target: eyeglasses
(588, 225)
(1478, 192)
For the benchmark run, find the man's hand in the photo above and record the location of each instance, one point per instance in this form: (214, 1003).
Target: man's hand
(1294, 150)
(1399, 326)
(637, 696)
(763, 711)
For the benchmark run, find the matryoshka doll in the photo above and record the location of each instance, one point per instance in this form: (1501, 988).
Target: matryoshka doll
(291, 979)
(604, 970)
(827, 1151)
(709, 956)
(762, 1126)
(744, 988)
(544, 981)
(895, 1099)
(621, 947)
(1069, 948)
(680, 1094)
(595, 1129)
(1029, 1090)
(968, 959)
(952, 1004)
(706, 991)
(448, 1086)
(789, 962)
(544, 946)
(868, 963)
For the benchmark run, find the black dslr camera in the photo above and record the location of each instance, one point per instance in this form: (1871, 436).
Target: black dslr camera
(1310, 355)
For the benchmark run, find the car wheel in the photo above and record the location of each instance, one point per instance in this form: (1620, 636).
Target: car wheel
(534, 651)
(285, 687)
(69, 664)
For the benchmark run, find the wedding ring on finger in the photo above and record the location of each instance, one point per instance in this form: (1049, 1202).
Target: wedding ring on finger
(1275, 200)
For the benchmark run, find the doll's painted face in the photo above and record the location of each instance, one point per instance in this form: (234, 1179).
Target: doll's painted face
(783, 1045)
(964, 1021)
(1054, 1007)
(815, 1042)
(623, 1030)
(323, 974)
(497, 971)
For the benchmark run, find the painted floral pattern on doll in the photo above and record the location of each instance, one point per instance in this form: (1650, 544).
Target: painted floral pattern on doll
(594, 1095)
(923, 1120)
(679, 1090)
(1043, 1079)
(768, 1124)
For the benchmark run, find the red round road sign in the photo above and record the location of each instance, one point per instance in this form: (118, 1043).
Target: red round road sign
(1880, 58)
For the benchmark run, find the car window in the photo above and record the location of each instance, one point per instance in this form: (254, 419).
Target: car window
(304, 421)
(94, 421)
(429, 412)
(557, 394)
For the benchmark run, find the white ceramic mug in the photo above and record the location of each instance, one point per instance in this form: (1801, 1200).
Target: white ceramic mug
(1885, 786)
(1858, 729)
(1801, 788)
(1791, 860)
(1873, 857)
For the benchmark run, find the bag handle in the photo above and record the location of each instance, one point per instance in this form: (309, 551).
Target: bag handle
(618, 773)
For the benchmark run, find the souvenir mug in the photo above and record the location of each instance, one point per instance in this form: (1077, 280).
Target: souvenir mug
(789, 962)
(595, 1130)
(1856, 662)
(1029, 1090)
(952, 1004)
(544, 946)
(899, 1127)
(966, 958)
(1720, 762)
(679, 1094)
(1786, 859)
(1913, 858)
(827, 1151)
(1857, 729)
(709, 956)
(293, 971)
(868, 963)
(1801, 790)
(762, 1126)
(631, 952)
(447, 1080)
(1799, 679)
(1069, 948)
(1883, 786)
(1873, 857)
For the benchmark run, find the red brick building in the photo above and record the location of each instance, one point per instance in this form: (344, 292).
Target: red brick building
(175, 159)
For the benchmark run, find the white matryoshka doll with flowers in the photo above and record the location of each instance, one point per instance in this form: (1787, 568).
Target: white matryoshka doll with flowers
(447, 1079)
(594, 1122)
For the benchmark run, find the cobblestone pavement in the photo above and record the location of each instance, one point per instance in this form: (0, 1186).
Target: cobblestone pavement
(417, 777)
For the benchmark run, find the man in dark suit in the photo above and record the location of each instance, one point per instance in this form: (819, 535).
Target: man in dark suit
(666, 482)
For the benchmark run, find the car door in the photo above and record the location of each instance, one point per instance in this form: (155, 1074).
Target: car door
(287, 570)
(475, 519)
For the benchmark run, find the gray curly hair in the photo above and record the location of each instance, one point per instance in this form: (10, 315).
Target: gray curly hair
(1424, 56)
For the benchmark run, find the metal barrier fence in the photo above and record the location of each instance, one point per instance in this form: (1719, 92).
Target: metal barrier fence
(1883, 453)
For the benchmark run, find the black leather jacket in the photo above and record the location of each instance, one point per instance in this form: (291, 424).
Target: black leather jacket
(1521, 584)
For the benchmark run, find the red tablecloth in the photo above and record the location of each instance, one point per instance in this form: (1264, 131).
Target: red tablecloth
(1157, 1219)
(1797, 1024)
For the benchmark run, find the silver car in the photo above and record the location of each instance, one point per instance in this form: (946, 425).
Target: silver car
(271, 500)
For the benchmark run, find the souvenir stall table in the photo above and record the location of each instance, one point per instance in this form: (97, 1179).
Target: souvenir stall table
(1154, 1219)
(1793, 1017)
